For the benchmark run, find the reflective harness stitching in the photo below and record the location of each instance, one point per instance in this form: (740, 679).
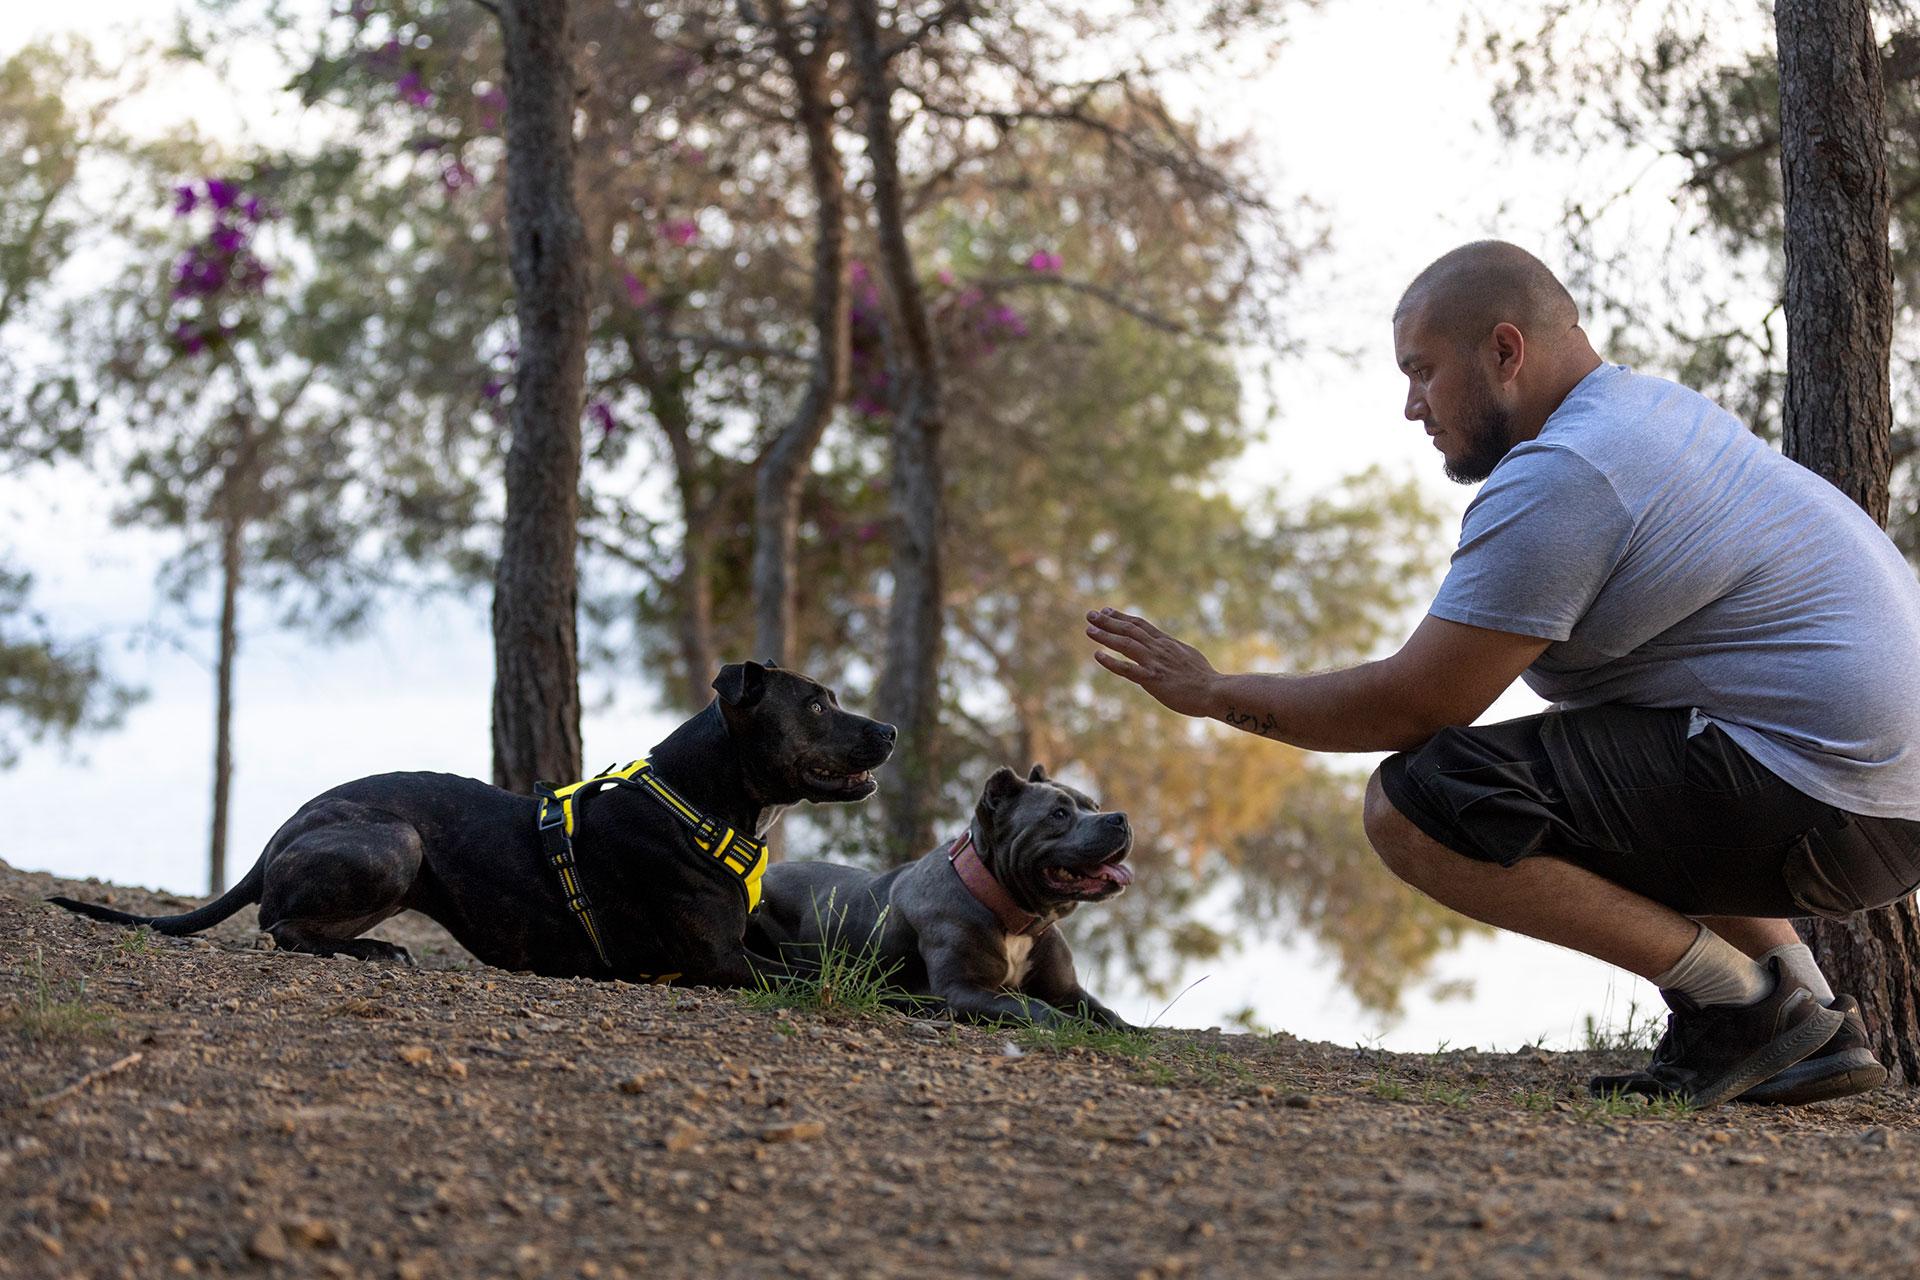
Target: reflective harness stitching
(742, 856)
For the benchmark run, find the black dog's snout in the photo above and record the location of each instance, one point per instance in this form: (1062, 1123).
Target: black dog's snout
(884, 731)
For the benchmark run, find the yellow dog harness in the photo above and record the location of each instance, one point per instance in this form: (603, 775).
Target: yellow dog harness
(741, 856)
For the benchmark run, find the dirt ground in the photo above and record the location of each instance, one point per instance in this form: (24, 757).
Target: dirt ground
(262, 1113)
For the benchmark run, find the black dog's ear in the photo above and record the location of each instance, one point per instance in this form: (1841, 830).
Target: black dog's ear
(1003, 786)
(740, 684)
(1037, 774)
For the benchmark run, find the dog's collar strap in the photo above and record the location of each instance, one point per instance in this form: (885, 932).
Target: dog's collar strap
(743, 857)
(964, 858)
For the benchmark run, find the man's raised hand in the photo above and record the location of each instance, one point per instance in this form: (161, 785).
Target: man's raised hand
(1173, 671)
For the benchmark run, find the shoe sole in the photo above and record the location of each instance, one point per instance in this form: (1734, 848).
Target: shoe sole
(1776, 1056)
(1845, 1074)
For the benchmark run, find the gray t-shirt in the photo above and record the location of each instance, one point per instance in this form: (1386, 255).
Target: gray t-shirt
(1677, 561)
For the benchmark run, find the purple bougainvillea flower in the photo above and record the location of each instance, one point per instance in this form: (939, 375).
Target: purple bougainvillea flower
(1007, 319)
(188, 339)
(222, 194)
(455, 176)
(227, 239)
(185, 199)
(637, 292)
(1042, 260)
(412, 88)
(492, 389)
(680, 231)
(946, 278)
(252, 208)
(601, 415)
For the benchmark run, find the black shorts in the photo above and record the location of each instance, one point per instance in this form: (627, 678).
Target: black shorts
(1690, 820)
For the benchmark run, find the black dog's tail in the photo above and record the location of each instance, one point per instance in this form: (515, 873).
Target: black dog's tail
(242, 894)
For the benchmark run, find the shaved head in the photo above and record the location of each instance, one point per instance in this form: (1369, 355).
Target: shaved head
(1465, 293)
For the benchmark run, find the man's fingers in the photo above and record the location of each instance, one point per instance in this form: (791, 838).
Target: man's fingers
(1112, 620)
(1120, 666)
(1132, 648)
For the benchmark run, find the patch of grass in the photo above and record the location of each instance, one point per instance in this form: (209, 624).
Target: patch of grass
(1536, 1100)
(136, 943)
(57, 1014)
(1636, 1034)
(1164, 1060)
(1084, 1033)
(834, 981)
(1630, 1106)
(1386, 1085)
(1447, 1094)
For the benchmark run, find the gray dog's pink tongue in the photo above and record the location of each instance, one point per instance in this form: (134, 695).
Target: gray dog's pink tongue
(1118, 872)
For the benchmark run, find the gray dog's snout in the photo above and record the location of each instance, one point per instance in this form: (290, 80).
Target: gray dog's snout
(1115, 820)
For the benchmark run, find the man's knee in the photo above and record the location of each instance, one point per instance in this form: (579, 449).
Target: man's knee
(1400, 844)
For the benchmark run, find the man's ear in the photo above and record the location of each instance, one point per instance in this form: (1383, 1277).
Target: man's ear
(1002, 787)
(1037, 774)
(740, 684)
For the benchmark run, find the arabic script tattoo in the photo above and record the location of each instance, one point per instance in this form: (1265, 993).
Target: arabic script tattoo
(1262, 723)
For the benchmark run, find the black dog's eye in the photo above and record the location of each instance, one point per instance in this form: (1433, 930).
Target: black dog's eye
(816, 708)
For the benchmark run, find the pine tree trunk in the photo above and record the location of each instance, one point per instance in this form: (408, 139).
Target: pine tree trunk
(784, 465)
(909, 693)
(232, 532)
(536, 691)
(1838, 411)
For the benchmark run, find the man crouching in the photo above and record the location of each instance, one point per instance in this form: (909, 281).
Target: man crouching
(974, 923)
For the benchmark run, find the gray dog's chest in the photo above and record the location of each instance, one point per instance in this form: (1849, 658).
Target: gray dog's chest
(1018, 951)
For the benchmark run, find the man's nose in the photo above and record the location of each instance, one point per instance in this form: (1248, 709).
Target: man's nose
(1416, 405)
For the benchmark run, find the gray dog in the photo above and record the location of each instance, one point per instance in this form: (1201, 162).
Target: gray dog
(974, 922)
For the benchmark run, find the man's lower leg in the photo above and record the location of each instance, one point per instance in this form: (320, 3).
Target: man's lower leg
(1764, 938)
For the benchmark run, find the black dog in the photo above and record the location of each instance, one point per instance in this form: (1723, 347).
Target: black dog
(973, 922)
(663, 902)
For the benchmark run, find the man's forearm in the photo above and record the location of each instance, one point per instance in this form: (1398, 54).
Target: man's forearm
(1354, 709)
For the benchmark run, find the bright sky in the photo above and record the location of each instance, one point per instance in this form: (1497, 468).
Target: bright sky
(1367, 112)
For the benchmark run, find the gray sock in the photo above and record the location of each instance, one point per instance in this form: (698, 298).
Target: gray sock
(1714, 971)
(1796, 961)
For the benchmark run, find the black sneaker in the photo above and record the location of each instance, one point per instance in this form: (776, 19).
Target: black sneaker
(1714, 1052)
(1842, 1067)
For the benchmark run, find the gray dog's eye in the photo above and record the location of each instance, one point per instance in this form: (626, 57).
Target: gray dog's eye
(1060, 812)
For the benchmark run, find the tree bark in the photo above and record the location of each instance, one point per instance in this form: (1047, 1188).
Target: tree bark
(232, 542)
(783, 467)
(536, 690)
(1838, 411)
(909, 692)
(237, 501)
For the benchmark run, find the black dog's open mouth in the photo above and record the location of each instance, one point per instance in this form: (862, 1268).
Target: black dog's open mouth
(840, 784)
(1099, 881)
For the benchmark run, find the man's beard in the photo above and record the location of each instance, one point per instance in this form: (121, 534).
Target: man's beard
(1485, 424)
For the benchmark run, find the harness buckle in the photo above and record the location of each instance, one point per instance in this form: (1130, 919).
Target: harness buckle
(742, 856)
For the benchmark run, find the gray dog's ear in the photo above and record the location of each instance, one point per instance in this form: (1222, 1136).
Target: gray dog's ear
(1003, 786)
(1037, 774)
(740, 684)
